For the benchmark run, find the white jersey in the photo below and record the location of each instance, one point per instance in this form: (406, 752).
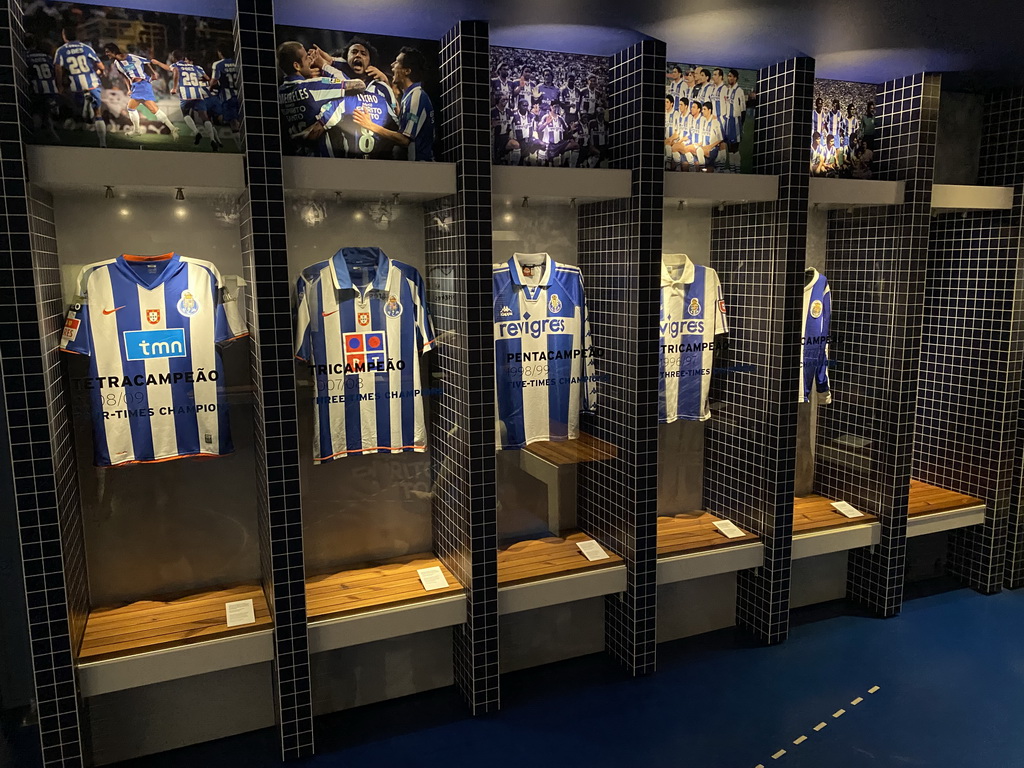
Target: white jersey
(692, 315)
(542, 351)
(151, 325)
(676, 90)
(362, 326)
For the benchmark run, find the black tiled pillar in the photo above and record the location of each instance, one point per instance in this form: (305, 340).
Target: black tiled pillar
(458, 254)
(619, 248)
(758, 251)
(264, 256)
(36, 419)
(875, 261)
(972, 357)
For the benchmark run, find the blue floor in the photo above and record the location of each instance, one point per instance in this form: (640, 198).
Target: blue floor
(949, 673)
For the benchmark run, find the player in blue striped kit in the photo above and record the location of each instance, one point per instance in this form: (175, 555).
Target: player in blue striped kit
(224, 82)
(191, 83)
(362, 326)
(544, 360)
(45, 105)
(416, 113)
(83, 68)
(817, 320)
(133, 69)
(150, 326)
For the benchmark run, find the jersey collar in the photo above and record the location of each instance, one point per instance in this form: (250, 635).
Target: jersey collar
(809, 284)
(688, 269)
(409, 88)
(163, 276)
(547, 275)
(360, 257)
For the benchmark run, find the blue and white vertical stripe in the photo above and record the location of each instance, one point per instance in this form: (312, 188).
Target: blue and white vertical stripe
(817, 319)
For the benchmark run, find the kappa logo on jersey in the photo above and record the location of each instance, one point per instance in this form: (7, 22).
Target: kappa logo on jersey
(153, 316)
(363, 318)
(694, 309)
(152, 345)
(555, 303)
(365, 350)
(816, 309)
(505, 311)
(393, 308)
(187, 305)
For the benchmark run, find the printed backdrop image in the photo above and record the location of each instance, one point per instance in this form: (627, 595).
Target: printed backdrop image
(706, 118)
(115, 77)
(344, 94)
(843, 129)
(549, 108)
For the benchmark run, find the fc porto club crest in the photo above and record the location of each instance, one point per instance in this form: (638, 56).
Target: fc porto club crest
(393, 307)
(363, 318)
(816, 309)
(694, 309)
(152, 316)
(555, 303)
(187, 304)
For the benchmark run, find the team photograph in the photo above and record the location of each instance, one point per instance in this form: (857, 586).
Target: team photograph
(707, 129)
(843, 129)
(130, 79)
(344, 94)
(549, 109)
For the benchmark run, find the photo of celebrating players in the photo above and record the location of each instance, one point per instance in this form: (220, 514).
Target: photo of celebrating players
(549, 108)
(707, 129)
(344, 94)
(116, 77)
(843, 129)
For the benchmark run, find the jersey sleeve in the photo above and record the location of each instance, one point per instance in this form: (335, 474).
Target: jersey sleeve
(588, 402)
(411, 117)
(424, 325)
(303, 327)
(821, 382)
(229, 323)
(720, 320)
(90, 54)
(76, 336)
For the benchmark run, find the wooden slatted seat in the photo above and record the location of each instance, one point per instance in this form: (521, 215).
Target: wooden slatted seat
(694, 532)
(374, 585)
(537, 559)
(586, 448)
(928, 499)
(815, 513)
(149, 625)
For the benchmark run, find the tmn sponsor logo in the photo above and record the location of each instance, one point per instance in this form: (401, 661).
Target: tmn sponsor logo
(150, 345)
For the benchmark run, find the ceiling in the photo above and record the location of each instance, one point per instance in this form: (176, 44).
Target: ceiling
(864, 40)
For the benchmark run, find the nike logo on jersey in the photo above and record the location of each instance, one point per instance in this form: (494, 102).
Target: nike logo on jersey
(112, 311)
(328, 314)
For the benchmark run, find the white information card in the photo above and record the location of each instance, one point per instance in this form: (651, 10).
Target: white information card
(847, 510)
(592, 550)
(729, 529)
(240, 612)
(432, 578)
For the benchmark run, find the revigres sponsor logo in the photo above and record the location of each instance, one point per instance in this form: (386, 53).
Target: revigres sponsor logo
(675, 328)
(533, 328)
(151, 345)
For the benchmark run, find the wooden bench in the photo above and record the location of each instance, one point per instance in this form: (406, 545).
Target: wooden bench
(693, 532)
(168, 622)
(545, 558)
(927, 499)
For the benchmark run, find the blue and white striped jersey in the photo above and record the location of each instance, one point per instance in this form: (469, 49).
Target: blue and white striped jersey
(543, 355)
(133, 67)
(416, 121)
(191, 81)
(817, 317)
(225, 72)
(151, 325)
(692, 315)
(78, 60)
(40, 72)
(362, 325)
(307, 101)
(676, 89)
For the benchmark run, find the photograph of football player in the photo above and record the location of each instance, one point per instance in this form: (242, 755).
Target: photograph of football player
(138, 75)
(192, 86)
(224, 83)
(709, 141)
(842, 137)
(548, 108)
(104, 76)
(345, 94)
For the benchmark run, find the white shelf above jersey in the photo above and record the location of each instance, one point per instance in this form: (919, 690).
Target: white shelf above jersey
(704, 189)
(854, 193)
(510, 184)
(363, 180)
(135, 172)
(968, 197)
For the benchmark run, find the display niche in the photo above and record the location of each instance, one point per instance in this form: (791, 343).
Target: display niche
(157, 376)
